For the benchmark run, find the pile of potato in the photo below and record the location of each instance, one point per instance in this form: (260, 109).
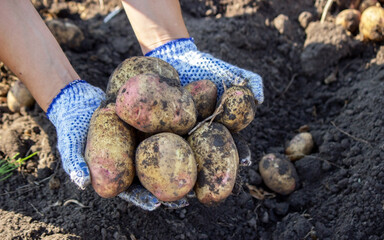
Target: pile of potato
(362, 16)
(173, 138)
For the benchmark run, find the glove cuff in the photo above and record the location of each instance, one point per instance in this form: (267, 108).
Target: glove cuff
(173, 48)
(78, 93)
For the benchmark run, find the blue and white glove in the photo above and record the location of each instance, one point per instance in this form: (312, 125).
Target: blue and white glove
(193, 65)
(71, 112)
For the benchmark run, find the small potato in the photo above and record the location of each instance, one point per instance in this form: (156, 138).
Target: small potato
(278, 174)
(372, 23)
(110, 152)
(66, 33)
(300, 145)
(239, 108)
(204, 94)
(133, 66)
(217, 162)
(166, 166)
(153, 104)
(366, 4)
(18, 96)
(349, 19)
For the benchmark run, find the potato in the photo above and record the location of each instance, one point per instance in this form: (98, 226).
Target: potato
(299, 146)
(66, 33)
(133, 66)
(239, 108)
(18, 96)
(366, 4)
(372, 23)
(349, 19)
(110, 152)
(204, 94)
(153, 104)
(278, 174)
(217, 162)
(166, 166)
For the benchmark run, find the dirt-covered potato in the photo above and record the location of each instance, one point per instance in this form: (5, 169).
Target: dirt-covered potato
(299, 146)
(278, 174)
(204, 94)
(166, 166)
(18, 96)
(110, 152)
(349, 19)
(217, 162)
(366, 4)
(154, 104)
(372, 23)
(133, 66)
(239, 108)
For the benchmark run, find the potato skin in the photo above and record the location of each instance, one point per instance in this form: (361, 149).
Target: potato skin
(278, 174)
(133, 66)
(217, 162)
(372, 23)
(239, 108)
(299, 146)
(166, 166)
(153, 104)
(109, 152)
(204, 94)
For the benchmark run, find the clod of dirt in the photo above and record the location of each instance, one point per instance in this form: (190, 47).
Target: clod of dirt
(325, 45)
(348, 3)
(54, 183)
(283, 24)
(11, 144)
(305, 18)
(66, 33)
(4, 88)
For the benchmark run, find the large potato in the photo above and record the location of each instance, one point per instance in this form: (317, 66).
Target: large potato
(109, 152)
(153, 104)
(217, 162)
(133, 66)
(239, 108)
(204, 94)
(166, 166)
(278, 174)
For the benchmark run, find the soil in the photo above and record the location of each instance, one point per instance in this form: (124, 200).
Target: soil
(318, 78)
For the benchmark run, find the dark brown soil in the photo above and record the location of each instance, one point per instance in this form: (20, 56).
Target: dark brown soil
(341, 190)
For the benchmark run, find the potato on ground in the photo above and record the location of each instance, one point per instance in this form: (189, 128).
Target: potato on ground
(19, 96)
(204, 94)
(239, 108)
(166, 166)
(349, 19)
(133, 66)
(299, 146)
(109, 152)
(153, 104)
(217, 162)
(372, 23)
(278, 174)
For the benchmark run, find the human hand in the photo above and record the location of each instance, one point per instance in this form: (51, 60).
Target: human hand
(70, 112)
(193, 65)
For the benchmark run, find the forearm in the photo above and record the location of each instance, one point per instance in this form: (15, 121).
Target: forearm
(155, 22)
(29, 49)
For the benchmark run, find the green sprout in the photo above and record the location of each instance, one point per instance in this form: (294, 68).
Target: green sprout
(7, 165)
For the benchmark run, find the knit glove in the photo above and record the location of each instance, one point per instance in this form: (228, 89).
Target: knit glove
(70, 112)
(193, 65)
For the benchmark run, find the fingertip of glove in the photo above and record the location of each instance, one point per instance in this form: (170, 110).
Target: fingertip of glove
(80, 178)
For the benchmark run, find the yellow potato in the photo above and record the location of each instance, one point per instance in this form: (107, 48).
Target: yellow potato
(299, 146)
(166, 166)
(372, 23)
(349, 19)
(133, 66)
(278, 174)
(110, 152)
(217, 162)
(239, 108)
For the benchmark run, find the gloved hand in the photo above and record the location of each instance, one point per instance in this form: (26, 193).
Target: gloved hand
(70, 112)
(193, 65)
